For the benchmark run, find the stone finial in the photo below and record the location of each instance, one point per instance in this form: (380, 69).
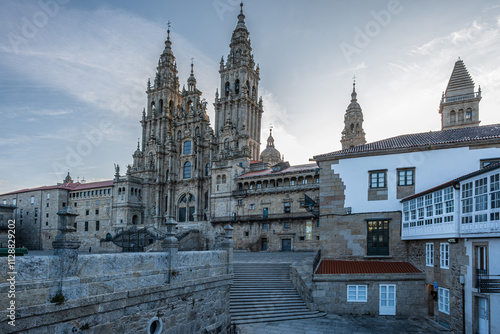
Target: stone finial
(170, 240)
(66, 244)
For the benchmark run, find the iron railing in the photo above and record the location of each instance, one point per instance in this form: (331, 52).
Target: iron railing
(487, 283)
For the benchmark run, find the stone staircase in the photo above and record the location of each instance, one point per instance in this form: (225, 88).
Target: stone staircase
(263, 292)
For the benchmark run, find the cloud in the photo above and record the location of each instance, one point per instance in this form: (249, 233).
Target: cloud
(103, 58)
(47, 112)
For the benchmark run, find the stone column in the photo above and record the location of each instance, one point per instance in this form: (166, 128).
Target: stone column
(228, 245)
(66, 244)
(171, 245)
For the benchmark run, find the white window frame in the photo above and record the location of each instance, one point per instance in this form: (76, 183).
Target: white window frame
(444, 255)
(429, 254)
(444, 300)
(357, 298)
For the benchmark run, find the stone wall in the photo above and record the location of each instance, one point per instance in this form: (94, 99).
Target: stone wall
(344, 237)
(330, 293)
(448, 278)
(121, 293)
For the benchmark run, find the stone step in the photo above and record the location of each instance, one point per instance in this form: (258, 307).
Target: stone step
(266, 295)
(268, 312)
(240, 320)
(266, 289)
(270, 304)
(266, 309)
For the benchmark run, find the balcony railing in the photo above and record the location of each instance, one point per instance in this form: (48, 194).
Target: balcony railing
(262, 217)
(480, 227)
(462, 97)
(447, 228)
(487, 283)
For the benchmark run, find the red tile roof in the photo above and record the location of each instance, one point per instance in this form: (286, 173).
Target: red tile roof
(66, 186)
(335, 267)
(100, 184)
(291, 169)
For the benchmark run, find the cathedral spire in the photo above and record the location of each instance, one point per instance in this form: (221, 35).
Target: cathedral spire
(353, 133)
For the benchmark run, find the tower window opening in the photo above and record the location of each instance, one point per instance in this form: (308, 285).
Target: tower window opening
(468, 114)
(237, 86)
(227, 88)
(453, 116)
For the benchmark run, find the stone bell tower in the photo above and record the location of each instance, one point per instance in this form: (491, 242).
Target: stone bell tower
(238, 108)
(353, 133)
(459, 105)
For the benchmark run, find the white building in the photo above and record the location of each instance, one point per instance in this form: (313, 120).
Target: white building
(465, 212)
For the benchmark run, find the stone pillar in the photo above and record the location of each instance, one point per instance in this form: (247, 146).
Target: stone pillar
(171, 245)
(66, 244)
(228, 245)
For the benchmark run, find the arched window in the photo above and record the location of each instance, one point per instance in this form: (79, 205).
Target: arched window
(237, 86)
(186, 208)
(253, 92)
(227, 88)
(187, 147)
(207, 169)
(152, 107)
(179, 135)
(352, 127)
(188, 106)
(197, 131)
(248, 87)
(109, 237)
(453, 116)
(187, 170)
(206, 200)
(170, 107)
(161, 105)
(226, 144)
(219, 179)
(223, 179)
(135, 220)
(461, 115)
(468, 114)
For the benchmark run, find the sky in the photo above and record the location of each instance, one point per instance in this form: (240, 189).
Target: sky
(73, 74)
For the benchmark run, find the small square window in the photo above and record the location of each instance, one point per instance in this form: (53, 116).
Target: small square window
(357, 293)
(265, 226)
(286, 225)
(96, 211)
(406, 177)
(240, 202)
(287, 207)
(377, 179)
(87, 212)
(252, 206)
(302, 238)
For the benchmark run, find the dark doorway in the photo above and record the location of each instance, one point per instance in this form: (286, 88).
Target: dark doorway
(264, 244)
(286, 245)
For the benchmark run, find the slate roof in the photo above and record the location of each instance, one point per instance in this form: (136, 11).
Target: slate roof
(336, 267)
(422, 140)
(460, 78)
(291, 169)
